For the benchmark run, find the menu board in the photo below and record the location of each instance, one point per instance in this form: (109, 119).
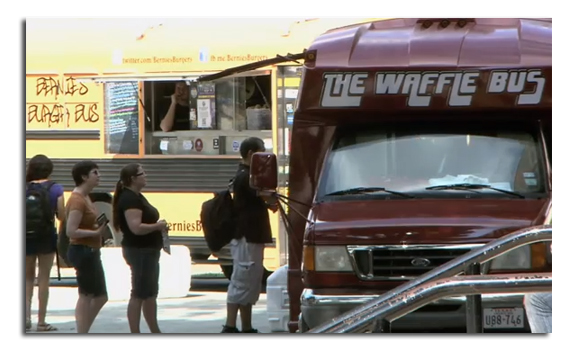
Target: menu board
(122, 122)
(206, 106)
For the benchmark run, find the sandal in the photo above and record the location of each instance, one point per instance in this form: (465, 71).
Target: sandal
(28, 324)
(45, 327)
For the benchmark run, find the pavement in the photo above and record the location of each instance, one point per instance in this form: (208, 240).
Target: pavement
(199, 312)
(202, 311)
(197, 270)
(204, 277)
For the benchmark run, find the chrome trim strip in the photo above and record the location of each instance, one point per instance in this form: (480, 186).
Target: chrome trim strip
(415, 246)
(310, 298)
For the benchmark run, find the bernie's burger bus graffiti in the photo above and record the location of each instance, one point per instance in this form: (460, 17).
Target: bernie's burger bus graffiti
(415, 141)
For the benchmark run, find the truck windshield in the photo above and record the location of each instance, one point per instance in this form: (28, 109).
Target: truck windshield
(453, 158)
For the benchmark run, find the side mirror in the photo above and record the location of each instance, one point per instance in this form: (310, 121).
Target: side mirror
(263, 171)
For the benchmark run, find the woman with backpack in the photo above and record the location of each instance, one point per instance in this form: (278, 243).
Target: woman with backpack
(44, 201)
(142, 242)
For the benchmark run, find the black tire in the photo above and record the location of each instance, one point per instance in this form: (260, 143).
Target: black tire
(228, 270)
(266, 275)
(196, 257)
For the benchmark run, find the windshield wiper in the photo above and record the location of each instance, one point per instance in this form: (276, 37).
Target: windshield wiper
(466, 186)
(358, 190)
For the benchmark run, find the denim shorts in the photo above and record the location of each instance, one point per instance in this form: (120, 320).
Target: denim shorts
(144, 264)
(90, 275)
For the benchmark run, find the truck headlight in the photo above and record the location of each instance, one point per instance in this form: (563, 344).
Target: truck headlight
(519, 258)
(326, 259)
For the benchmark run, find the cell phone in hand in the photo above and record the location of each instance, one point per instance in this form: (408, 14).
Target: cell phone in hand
(102, 219)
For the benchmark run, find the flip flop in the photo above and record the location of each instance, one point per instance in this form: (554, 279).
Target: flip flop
(45, 327)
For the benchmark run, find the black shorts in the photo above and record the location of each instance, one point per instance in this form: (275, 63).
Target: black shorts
(144, 264)
(90, 275)
(41, 246)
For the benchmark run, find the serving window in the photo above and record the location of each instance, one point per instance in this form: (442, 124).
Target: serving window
(208, 118)
(213, 119)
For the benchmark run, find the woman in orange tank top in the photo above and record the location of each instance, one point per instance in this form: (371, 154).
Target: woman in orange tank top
(85, 242)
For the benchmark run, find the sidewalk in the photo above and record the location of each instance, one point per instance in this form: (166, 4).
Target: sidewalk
(200, 312)
(196, 270)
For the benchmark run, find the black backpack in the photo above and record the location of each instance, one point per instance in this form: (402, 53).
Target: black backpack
(218, 219)
(39, 212)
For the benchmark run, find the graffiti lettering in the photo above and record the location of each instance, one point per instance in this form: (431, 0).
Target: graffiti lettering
(49, 114)
(48, 86)
(84, 113)
(72, 87)
(54, 114)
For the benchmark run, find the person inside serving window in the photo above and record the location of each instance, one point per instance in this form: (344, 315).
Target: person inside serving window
(176, 117)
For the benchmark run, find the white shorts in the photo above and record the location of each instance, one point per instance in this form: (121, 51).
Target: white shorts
(245, 285)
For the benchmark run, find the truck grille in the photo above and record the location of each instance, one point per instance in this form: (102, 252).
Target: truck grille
(395, 262)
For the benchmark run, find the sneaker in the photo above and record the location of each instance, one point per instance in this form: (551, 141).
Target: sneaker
(229, 329)
(250, 331)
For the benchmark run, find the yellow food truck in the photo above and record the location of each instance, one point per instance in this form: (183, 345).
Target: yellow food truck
(98, 88)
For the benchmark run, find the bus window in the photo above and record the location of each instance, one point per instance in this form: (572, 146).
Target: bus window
(121, 118)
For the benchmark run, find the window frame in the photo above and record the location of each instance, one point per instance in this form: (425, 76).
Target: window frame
(141, 119)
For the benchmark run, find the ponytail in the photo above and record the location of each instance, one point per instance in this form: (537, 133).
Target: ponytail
(118, 190)
(126, 179)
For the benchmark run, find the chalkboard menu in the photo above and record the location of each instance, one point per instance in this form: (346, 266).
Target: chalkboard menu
(122, 121)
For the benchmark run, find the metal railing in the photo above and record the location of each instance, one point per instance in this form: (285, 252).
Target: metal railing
(431, 286)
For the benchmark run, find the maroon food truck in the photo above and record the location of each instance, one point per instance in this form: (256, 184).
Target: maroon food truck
(415, 141)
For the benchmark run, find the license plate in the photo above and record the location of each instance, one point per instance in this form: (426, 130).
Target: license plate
(503, 318)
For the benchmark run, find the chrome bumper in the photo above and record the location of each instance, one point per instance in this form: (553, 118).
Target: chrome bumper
(319, 308)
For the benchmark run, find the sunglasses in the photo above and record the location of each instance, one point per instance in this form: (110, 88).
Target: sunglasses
(140, 174)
